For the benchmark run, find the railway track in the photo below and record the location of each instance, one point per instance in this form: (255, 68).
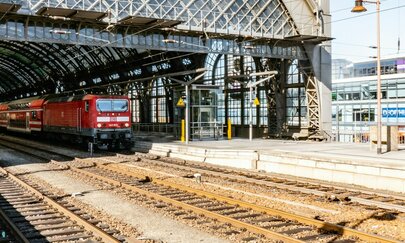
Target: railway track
(64, 217)
(271, 223)
(39, 218)
(353, 195)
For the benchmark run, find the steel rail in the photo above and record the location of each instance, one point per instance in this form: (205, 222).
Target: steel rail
(219, 217)
(349, 188)
(241, 172)
(367, 202)
(6, 143)
(305, 220)
(345, 231)
(98, 233)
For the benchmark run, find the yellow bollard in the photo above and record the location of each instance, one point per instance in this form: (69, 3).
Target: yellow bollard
(229, 129)
(183, 131)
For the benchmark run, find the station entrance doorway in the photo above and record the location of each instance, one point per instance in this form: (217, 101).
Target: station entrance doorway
(204, 122)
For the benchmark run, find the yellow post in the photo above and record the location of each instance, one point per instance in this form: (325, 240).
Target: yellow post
(183, 130)
(229, 129)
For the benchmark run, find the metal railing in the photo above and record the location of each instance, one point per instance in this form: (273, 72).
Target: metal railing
(206, 130)
(168, 128)
(361, 137)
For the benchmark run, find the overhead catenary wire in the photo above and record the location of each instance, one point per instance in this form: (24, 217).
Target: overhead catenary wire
(119, 39)
(361, 45)
(393, 42)
(112, 42)
(350, 8)
(362, 15)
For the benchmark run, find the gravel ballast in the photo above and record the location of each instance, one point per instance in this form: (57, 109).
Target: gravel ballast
(153, 226)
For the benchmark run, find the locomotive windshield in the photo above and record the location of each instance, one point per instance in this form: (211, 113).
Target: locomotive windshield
(112, 105)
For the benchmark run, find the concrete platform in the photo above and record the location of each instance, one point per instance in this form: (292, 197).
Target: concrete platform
(334, 162)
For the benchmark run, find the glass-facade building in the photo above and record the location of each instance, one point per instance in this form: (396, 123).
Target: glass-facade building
(341, 68)
(232, 101)
(354, 99)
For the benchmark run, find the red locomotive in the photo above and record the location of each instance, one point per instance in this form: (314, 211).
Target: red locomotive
(100, 119)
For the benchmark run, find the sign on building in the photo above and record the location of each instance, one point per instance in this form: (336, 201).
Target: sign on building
(393, 112)
(181, 103)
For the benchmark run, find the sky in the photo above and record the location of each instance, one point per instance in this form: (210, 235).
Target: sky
(355, 32)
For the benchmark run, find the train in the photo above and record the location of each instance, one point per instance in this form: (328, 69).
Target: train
(102, 120)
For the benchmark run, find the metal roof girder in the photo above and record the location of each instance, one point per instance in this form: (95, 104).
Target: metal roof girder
(19, 67)
(256, 15)
(21, 78)
(261, 25)
(6, 76)
(41, 52)
(32, 65)
(221, 13)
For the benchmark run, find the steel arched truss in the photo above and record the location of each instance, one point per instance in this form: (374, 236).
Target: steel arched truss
(43, 53)
(256, 18)
(29, 69)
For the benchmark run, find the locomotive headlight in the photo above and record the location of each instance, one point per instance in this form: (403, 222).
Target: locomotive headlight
(127, 124)
(98, 125)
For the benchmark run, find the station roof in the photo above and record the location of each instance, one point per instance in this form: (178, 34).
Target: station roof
(33, 69)
(29, 68)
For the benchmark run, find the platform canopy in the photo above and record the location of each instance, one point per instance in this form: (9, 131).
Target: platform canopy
(147, 22)
(55, 46)
(60, 68)
(150, 49)
(9, 7)
(71, 13)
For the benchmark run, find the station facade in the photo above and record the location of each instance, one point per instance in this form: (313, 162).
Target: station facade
(354, 91)
(208, 54)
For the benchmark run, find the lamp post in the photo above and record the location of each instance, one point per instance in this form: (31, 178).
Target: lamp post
(251, 85)
(357, 9)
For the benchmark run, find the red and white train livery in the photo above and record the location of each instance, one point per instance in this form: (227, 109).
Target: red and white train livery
(100, 119)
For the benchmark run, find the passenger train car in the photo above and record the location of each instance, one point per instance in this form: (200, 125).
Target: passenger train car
(100, 119)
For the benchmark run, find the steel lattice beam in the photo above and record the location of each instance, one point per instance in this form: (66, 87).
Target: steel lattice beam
(96, 52)
(255, 18)
(312, 94)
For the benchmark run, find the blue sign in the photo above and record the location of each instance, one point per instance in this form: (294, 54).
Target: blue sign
(393, 112)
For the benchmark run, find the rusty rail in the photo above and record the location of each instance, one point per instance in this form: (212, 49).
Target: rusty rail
(88, 226)
(344, 231)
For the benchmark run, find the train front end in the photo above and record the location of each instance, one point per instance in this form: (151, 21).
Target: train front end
(113, 122)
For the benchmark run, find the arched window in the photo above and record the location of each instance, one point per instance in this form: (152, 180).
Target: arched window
(296, 109)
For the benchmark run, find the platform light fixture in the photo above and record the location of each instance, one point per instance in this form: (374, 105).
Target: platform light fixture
(169, 41)
(58, 17)
(173, 41)
(358, 8)
(60, 32)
